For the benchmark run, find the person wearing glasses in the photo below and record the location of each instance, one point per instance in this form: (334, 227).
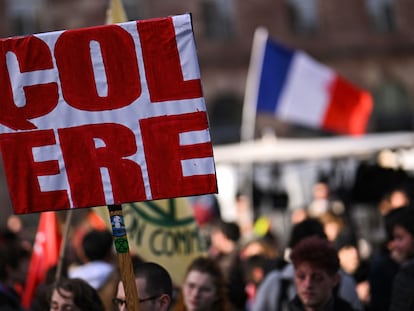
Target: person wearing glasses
(154, 286)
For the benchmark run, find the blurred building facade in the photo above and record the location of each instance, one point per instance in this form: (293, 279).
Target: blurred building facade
(370, 42)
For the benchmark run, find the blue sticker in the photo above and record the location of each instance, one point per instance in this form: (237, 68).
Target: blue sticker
(118, 226)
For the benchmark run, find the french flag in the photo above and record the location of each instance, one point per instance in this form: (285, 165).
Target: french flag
(298, 89)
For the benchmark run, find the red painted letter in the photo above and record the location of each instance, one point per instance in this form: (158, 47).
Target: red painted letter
(162, 65)
(163, 154)
(22, 172)
(21, 101)
(87, 149)
(114, 56)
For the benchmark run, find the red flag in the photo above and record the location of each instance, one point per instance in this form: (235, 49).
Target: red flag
(45, 254)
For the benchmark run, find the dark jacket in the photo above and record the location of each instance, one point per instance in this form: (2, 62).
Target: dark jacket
(9, 300)
(381, 275)
(402, 296)
(335, 304)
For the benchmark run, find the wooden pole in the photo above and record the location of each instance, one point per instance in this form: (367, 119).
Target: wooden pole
(116, 14)
(62, 250)
(124, 258)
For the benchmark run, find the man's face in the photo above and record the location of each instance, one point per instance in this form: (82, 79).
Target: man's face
(402, 244)
(154, 304)
(314, 285)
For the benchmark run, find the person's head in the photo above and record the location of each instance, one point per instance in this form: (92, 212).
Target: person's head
(399, 197)
(349, 258)
(316, 271)
(225, 236)
(97, 245)
(204, 286)
(14, 259)
(333, 224)
(306, 228)
(256, 267)
(320, 190)
(301, 230)
(154, 286)
(400, 224)
(259, 246)
(348, 253)
(74, 295)
(393, 199)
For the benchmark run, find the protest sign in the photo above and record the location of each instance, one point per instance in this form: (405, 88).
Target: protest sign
(103, 116)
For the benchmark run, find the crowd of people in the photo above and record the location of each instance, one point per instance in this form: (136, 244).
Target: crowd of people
(321, 267)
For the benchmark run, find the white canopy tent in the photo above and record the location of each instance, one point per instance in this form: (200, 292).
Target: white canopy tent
(286, 151)
(280, 150)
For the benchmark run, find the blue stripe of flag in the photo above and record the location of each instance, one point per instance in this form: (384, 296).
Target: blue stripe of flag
(275, 68)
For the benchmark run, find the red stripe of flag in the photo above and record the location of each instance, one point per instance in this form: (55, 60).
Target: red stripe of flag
(44, 256)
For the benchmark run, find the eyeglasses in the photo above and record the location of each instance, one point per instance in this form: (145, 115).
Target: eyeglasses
(149, 298)
(120, 302)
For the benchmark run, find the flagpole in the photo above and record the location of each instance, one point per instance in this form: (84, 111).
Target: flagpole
(249, 114)
(123, 255)
(116, 14)
(252, 85)
(62, 250)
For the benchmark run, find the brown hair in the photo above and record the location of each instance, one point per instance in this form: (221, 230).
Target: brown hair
(158, 280)
(209, 266)
(85, 297)
(318, 253)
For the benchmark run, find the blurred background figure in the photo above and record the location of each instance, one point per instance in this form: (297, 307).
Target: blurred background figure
(224, 245)
(353, 264)
(224, 249)
(320, 199)
(323, 200)
(74, 294)
(41, 298)
(383, 267)
(206, 209)
(14, 261)
(204, 288)
(298, 215)
(395, 198)
(98, 264)
(402, 250)
(259, 246)
(259, 256)
(335, 226)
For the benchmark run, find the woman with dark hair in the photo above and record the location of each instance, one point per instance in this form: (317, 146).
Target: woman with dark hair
(74, 295)
(204, 287)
